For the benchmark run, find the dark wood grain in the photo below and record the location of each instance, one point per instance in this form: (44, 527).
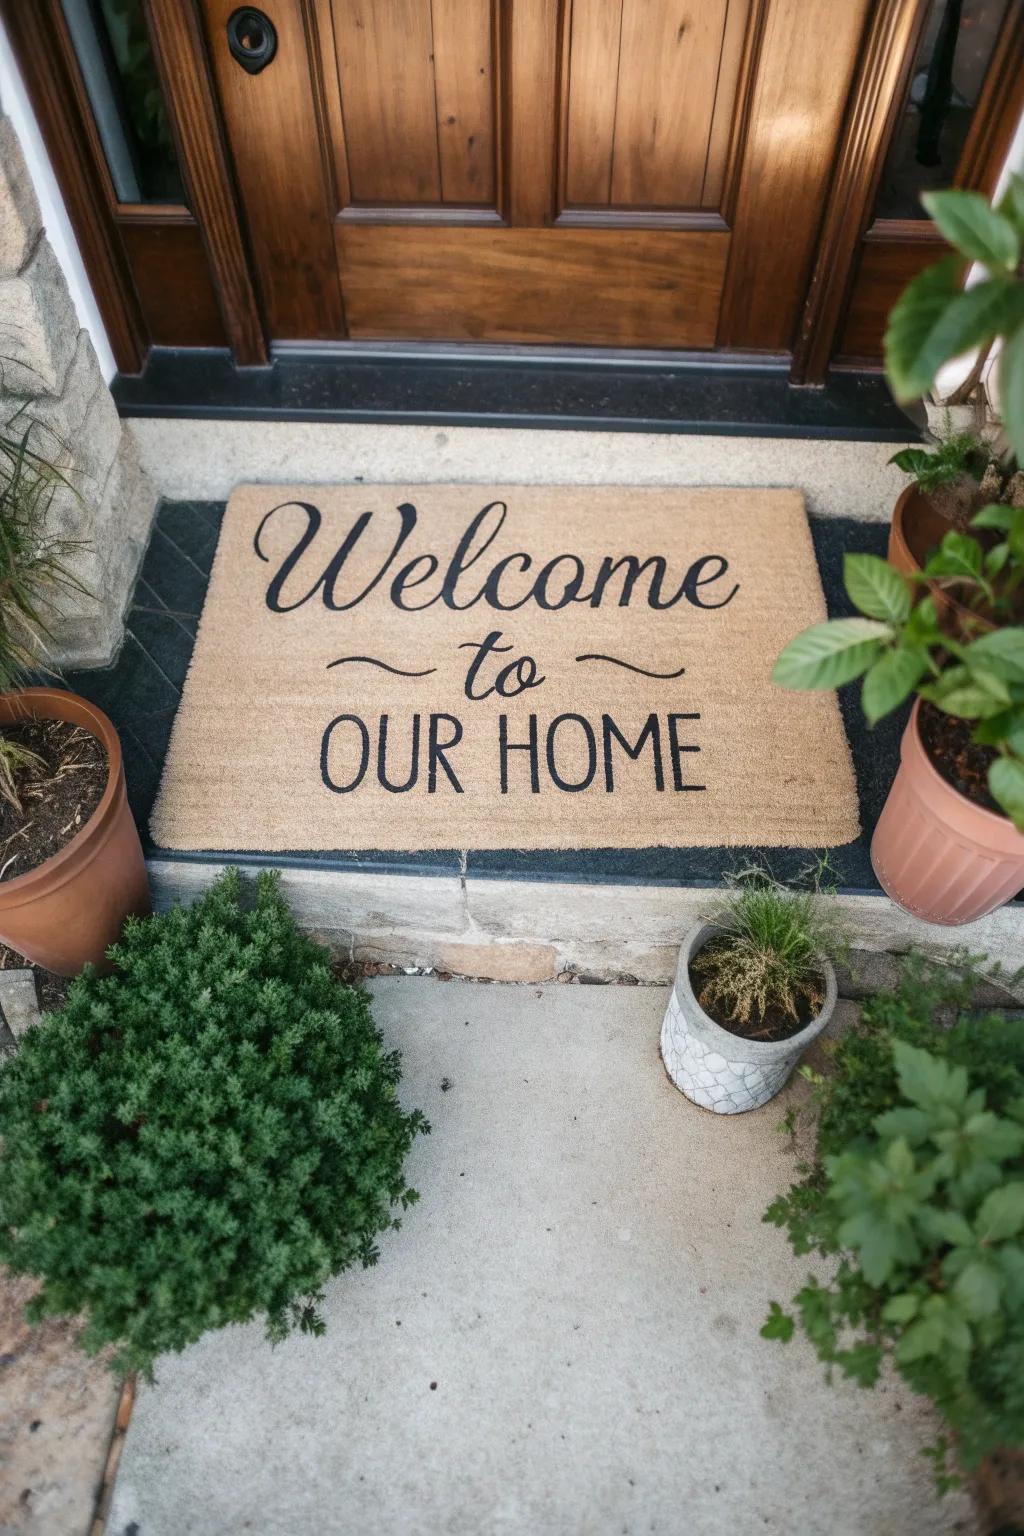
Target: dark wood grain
(600, 287)
(172, 278)
(884, 268)
(273, 125)
(43, 50)
(876, 103)
(181, 59)
(464, 58)
(805, 67)
(531, 50)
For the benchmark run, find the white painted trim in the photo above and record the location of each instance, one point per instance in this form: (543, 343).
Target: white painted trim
(15, 102)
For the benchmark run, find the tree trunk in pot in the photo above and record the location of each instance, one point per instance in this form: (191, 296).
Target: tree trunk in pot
(718, 1070)
(939, 856)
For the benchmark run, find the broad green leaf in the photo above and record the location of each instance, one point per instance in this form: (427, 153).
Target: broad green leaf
(923, 624)
(1002, 1213)
(1000, 651)
(910, 363)
(880, 1245)
(911, 460)
(1006, 781)
(976, 229)
(979, 1288)
(889, 680)
(1011, 390)
(995, 559)
(861, 1363)
(913, 1124)
(995, 515)
(971, 695)
(1012, 205)
(779, 1324)
(957, 555)
(946, 1226)
(998, 728)
(900, 1309)
(925, 1337)
(927, 1080)
(968, 320)
(830, 654)
(876, 588)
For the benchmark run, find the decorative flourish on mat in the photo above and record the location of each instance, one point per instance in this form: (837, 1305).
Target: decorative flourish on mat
(373, 662)
(615, 661)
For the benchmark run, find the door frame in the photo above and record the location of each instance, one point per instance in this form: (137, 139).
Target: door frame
(138, 255)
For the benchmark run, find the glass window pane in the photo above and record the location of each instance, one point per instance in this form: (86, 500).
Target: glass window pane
(112, 44)
(949, 71)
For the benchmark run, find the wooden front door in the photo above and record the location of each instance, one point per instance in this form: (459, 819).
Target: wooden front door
(631, 173)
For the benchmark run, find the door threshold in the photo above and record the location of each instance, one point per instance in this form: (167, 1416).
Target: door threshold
(560, 388)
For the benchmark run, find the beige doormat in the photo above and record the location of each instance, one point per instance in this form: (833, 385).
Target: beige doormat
(466, 666)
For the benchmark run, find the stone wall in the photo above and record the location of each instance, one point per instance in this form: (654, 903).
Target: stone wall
(51, 383)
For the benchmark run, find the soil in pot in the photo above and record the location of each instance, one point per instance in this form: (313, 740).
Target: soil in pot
(58, 793)
(960, 761)
(773, 1024)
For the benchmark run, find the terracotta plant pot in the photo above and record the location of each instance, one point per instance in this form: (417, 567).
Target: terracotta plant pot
(70, 909)
(915, 532)
(935, 853)
(716, 1069)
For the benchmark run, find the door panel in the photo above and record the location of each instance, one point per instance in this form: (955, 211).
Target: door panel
(568, 171)
(601, 287)
(650, 98)
(276, 147)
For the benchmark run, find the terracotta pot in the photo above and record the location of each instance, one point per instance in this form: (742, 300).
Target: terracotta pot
(935, 853)
(915, 532)
(70, 908)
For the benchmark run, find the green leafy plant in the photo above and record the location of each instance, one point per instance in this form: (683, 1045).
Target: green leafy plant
(937, 319)
(951, 460)
(900, 649)
(916, 1196)
(768, 958)
(207, 1134)
(34, 573)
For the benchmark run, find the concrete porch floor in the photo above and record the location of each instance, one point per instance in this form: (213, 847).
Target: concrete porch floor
(562, 1340)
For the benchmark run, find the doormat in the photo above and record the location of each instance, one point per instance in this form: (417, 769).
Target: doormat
(466, 666)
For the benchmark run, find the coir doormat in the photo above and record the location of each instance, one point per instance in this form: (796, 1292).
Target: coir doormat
(465, 666)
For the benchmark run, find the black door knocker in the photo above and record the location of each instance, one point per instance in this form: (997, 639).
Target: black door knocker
(252, 38)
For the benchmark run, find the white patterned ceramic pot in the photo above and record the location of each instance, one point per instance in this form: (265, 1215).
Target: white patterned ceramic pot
(716, 1069)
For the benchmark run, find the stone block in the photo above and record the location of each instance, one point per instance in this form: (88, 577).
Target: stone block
(19, 1003)
(79, 430)
(113, 531)
(499, 962)
(20, 223)
(39, 327)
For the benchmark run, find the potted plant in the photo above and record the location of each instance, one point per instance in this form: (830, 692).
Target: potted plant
(207, 1134)
(915, 1198)
(949, 846)
(71, 864)
(754, 986)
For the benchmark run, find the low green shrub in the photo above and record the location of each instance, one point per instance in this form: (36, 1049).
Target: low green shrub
(917, 1192)
(205, 1135)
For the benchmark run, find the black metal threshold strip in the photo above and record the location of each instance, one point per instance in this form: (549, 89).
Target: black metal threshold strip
(567, 388)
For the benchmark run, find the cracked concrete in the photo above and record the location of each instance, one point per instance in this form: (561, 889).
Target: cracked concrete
(563, 1338)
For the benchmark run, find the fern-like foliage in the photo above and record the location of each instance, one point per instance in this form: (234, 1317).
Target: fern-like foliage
(206, 1135)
